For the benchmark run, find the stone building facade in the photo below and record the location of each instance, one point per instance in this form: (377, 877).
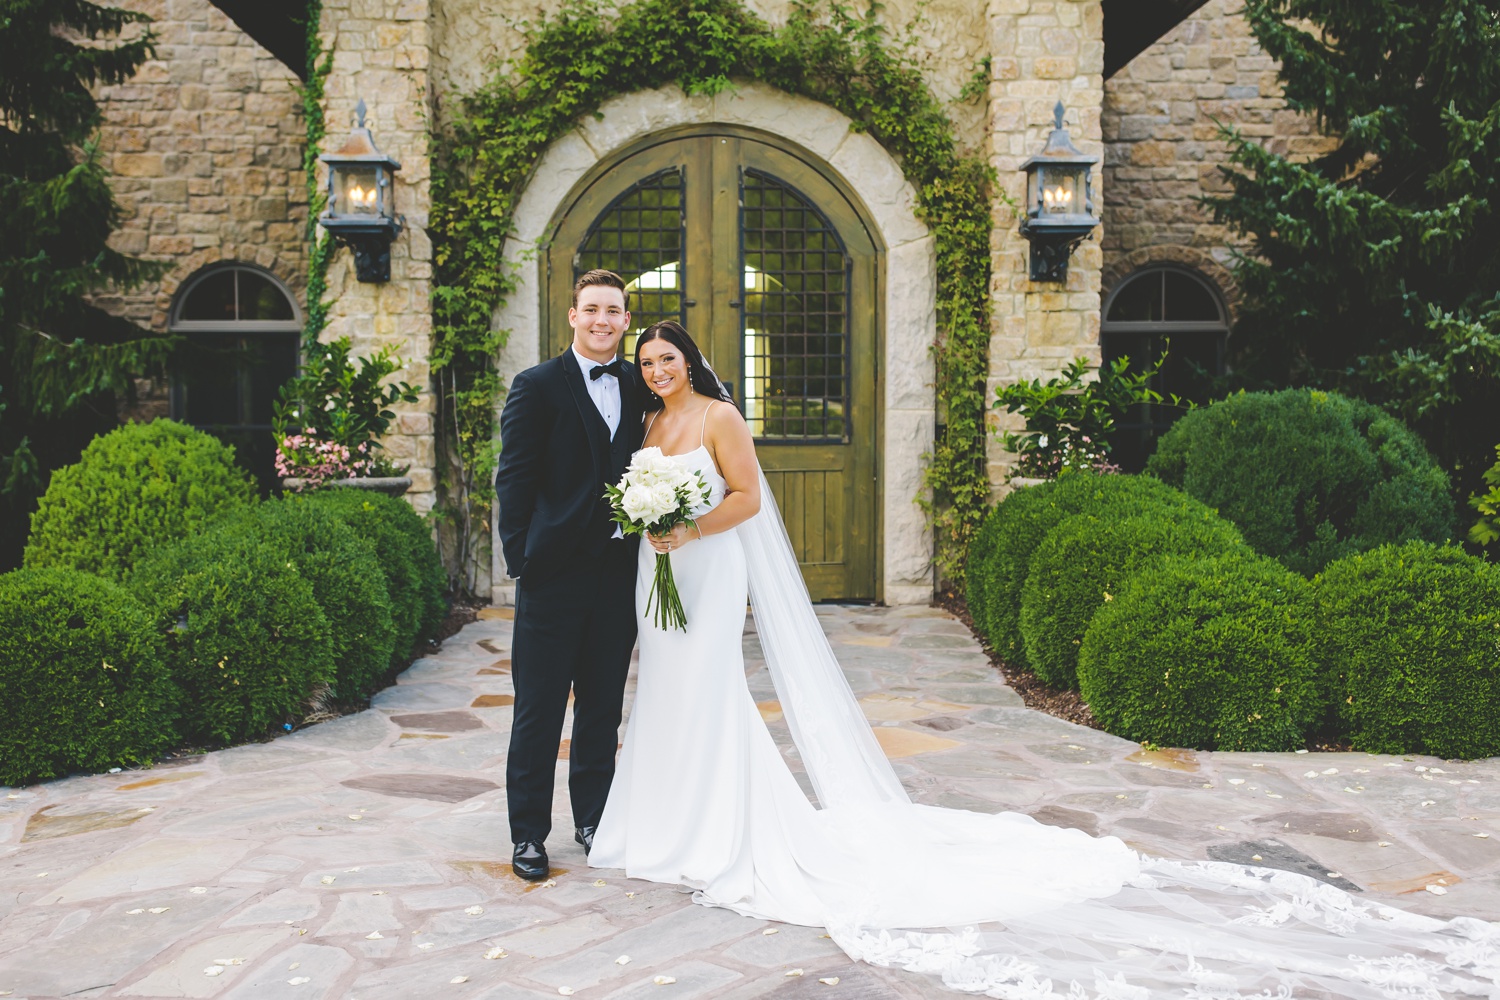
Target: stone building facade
(206, 146)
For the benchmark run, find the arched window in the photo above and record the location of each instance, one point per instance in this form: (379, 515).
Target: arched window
(1171, 310)
(243, 332)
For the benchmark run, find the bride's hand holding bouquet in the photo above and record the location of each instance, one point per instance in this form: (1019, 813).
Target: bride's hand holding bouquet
(656, 495)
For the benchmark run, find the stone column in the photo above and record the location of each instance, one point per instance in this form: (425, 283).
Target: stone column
(381, 52)
(1042, 51)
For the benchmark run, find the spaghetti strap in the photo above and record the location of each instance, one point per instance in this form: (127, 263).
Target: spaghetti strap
(647, 432)
(704, 428)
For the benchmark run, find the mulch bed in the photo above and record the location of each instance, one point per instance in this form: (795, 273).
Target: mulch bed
(1035, 692)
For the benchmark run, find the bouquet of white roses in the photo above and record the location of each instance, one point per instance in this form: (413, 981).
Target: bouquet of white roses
(656, 494)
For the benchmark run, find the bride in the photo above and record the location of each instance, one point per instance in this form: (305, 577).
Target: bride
(995, 904)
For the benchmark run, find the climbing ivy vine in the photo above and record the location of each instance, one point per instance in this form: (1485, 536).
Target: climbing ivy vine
(585, 54)
(319, 244)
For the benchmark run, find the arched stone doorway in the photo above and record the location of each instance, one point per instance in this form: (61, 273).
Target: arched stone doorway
(862, 417)
(775, 273)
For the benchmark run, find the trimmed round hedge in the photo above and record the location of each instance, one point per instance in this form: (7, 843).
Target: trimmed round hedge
(1308, 476)
(246, 640)
(1212, 654)
(134, 489)
(1088, 558)
(1017, 526)
(82, 677)
(346, 580)
(414, 575)
(1410, 638)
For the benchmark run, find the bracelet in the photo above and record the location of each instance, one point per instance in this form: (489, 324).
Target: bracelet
(700, 532)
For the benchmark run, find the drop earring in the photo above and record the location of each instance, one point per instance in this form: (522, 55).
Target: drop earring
(690, 380)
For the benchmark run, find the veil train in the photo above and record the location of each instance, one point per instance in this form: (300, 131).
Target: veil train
(1043, 912)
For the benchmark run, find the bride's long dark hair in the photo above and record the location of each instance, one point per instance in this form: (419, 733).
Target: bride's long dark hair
(700, 376)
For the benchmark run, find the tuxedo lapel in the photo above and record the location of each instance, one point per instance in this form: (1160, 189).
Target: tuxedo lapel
(593, 424)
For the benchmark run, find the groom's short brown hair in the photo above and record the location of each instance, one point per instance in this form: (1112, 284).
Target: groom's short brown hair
(599, 276)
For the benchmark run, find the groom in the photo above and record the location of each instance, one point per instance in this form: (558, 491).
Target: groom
(569, 427)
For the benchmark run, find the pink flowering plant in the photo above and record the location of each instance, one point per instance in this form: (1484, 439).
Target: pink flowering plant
(329, 419)
(1069, 418)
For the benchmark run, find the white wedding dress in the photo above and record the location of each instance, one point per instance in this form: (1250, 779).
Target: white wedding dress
(994, 904)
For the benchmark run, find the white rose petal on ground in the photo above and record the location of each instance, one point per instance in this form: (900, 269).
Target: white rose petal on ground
(830, 981)
(159, 909)
(458, 979)
(664, 980)
(623, 960)
(328, 879)
(298, 980)
(1436, 890)
(474, 911)
(769, 930)
(198, 889)
(135, 911)
(493, 953)
(425, 945)
(794, 972)
(566, 991)
(374, 936)
(213, 970)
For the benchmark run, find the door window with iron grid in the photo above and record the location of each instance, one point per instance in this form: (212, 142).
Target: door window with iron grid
(795, 316)
(640, 237)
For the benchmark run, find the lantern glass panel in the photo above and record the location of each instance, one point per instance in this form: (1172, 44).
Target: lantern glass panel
(356, 190)
(1060, 192)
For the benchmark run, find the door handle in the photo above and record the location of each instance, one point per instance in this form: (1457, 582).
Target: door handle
(689, 302)
(734, 303)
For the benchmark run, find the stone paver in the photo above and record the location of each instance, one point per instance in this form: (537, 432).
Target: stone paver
(367, 857)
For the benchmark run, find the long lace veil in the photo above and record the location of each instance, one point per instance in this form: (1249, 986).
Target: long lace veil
(1046, 902)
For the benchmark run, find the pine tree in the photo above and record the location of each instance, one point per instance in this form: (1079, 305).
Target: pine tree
(1376, 269)
(63, 362)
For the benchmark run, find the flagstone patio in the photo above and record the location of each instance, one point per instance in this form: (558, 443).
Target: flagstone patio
(366, 858)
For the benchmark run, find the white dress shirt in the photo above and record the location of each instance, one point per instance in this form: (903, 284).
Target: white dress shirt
(604, 391)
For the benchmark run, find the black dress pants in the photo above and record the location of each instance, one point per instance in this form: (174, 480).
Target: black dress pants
(575, 628)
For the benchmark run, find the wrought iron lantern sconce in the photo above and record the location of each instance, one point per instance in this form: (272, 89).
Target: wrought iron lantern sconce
(361, 207)
(1059, 203)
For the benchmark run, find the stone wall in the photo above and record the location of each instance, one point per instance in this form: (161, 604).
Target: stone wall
(1162, 148)
(1044, 51)
(205, 147)
(381, 52)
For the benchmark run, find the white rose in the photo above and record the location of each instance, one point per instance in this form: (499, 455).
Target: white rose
(637, 503)
(663, 500)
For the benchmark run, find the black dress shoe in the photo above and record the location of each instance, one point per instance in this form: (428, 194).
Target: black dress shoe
(530, 861)
(585, 836)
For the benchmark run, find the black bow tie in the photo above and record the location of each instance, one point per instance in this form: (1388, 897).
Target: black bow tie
(615, 368)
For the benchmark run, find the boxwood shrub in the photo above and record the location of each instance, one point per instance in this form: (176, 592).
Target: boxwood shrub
(1088, 558)
(346, 580)
(1308, 476)
(246, 640)
(1410, 638)
(82, 677)
(134, 489)
(1207, 653)
(1017, 526)
(414, 575)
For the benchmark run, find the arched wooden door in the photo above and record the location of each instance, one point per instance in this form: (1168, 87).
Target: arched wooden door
(772, 270)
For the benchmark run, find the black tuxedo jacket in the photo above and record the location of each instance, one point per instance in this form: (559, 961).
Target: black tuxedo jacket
(556, 457)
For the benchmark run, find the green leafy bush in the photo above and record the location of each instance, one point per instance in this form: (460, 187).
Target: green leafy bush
(82, 677)
(1088, 558)
(1308, 476)
(1487, 506)
(135, 488)
(1020, 522)
(246, 640)
(1409, 637)
(1213, 654)
(414, 575)
(346, 580)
